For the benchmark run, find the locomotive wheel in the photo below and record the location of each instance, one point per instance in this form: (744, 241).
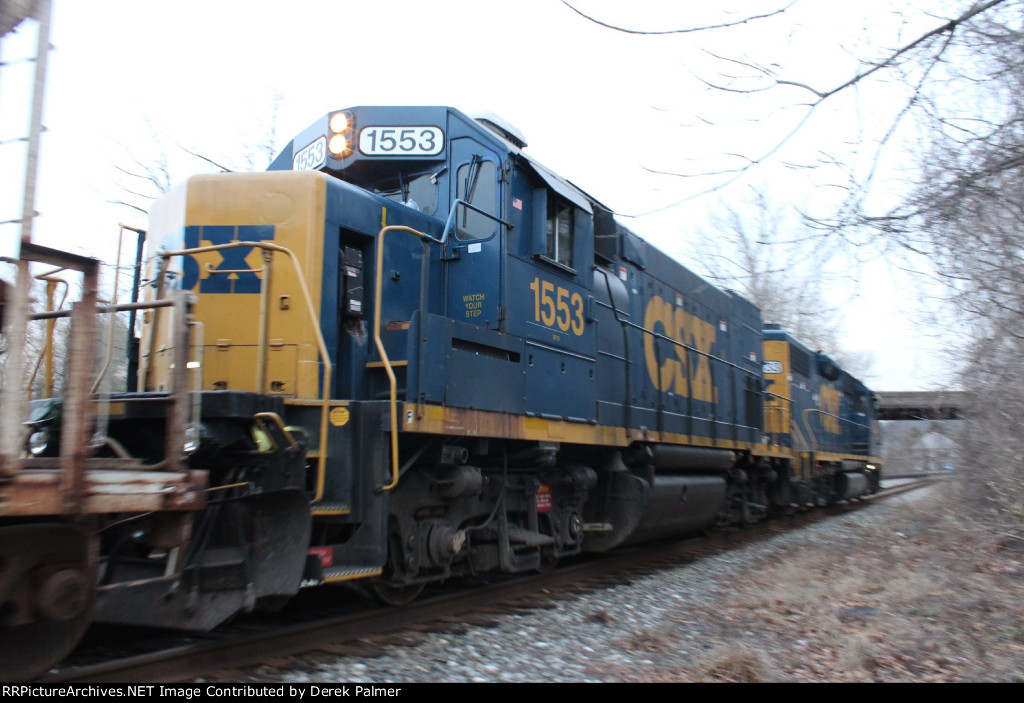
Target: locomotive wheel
(394, 595)
(548, 561)
(386, 588)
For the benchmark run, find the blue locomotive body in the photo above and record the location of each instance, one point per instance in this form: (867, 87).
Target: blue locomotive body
(409, 351)
(535, 289)
(506, 375)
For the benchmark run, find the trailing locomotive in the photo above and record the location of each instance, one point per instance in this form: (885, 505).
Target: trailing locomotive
(411, 352)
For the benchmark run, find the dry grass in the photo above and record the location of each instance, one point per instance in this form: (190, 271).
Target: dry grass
(919, 599)
(735, 664)
(650, 640)
(922, 598)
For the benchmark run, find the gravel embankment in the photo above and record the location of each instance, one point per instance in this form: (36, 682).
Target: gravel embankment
(713, 619)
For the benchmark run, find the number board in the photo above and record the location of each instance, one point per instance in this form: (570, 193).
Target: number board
(401, 141)
(311, 157)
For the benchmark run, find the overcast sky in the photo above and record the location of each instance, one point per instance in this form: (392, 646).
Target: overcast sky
(601, 108)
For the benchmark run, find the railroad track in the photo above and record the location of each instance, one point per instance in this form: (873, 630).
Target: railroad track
(331, 619)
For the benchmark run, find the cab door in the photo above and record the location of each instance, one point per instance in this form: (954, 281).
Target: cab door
(474, 275)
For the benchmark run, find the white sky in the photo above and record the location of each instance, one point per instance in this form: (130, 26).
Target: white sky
(599, 107)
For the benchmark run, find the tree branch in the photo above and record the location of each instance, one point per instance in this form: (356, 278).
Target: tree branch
(686, 30)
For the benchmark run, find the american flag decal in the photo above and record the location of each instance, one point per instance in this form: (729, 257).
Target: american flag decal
(517, 203)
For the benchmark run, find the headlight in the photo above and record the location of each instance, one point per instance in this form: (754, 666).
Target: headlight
(43, 427)
(338, 144)
(339, 139)
(38, 441)
(339, 122)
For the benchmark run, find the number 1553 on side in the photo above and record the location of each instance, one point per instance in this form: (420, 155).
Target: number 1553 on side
(557, 307)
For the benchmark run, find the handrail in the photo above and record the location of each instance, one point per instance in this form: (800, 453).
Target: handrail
(392, 380)
(110, 333)
(75, 420)
(261, 418)
(378, 285)
(778, 415)
(325, 399)
(782, 406)
(627, 401)
(828, 414)
(47, 350)
(199, 342)
(103, 416)
(805, 445)
(449, 224)
(687, 347)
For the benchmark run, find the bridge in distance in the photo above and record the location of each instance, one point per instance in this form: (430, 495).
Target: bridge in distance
(922, 405)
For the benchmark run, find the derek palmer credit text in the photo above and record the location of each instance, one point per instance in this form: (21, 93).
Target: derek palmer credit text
(193, 692)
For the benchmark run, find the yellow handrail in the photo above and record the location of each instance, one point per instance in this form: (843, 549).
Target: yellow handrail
(47, 350)
(325, 399)
(261, 419)
(378, 284)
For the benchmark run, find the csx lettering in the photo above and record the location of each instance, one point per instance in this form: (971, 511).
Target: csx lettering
(679, 372)
(829, 405)
(554, 306)
(233, 274)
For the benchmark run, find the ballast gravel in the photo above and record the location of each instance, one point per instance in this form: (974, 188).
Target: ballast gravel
(621, 633)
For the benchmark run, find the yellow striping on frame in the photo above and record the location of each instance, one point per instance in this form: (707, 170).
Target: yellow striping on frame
(433, 419)
(353, 577)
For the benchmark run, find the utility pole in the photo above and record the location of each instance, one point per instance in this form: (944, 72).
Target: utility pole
(28, 212)
(12, 405)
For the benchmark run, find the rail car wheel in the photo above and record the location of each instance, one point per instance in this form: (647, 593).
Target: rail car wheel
(47, 589)
(30, 650)
(395, 595)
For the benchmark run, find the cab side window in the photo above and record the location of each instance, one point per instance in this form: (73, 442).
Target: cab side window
(559, 232)
(476, 184)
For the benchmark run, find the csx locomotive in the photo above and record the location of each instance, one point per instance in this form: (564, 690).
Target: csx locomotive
(408, 351)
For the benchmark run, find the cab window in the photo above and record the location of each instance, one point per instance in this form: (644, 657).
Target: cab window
(419, 192)
(559, 232)
(476, 184)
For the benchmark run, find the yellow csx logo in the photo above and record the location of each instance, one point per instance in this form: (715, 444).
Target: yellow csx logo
(829, 406)
(684, 373)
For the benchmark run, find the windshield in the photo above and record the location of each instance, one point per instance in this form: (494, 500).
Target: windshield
(419, 191)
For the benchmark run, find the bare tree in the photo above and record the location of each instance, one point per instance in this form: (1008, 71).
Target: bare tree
(149, 170)
(143, 179)
(771, 257)
(966, 215)
(991, 475)
(761, 253)
(957, 87)
(916, 63)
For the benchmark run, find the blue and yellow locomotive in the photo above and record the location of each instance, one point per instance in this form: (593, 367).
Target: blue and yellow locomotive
(414, 352)
(825, 417)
